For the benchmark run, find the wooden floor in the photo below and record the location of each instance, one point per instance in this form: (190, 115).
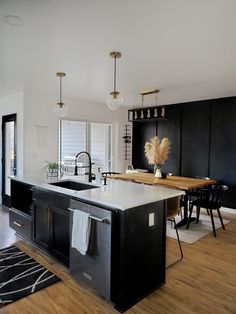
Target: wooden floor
(204, 282)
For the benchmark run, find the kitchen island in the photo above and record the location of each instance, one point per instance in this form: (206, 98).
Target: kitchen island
(126, 256)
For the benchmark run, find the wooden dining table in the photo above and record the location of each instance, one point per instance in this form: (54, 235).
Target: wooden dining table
(175, 182)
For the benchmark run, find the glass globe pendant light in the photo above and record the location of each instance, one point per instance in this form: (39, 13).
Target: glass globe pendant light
(60, 108)
(114, 102)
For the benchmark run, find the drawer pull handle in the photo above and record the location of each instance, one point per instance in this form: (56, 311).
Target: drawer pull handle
(17, 224)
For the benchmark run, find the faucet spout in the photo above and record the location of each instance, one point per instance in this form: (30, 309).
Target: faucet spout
(89, 165)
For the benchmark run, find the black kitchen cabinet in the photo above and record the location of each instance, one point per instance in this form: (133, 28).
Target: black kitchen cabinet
(125, 259)
(195, 139)
(20, 213)
(223, 148)
(52, 223)
(143, 132)
(170, 128)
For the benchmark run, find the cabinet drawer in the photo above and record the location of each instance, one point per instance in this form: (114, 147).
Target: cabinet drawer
(20, 223)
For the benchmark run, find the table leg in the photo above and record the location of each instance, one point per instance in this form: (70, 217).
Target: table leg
(185, 220)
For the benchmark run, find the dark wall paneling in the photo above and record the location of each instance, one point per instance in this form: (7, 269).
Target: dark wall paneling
(223, 146)
(203, 141)
(195, 139)
(142, 132)
(171, 128)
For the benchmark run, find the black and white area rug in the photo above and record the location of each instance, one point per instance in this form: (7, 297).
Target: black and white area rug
(21, 275)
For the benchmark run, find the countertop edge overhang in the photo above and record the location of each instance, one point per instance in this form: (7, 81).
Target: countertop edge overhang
(116, 194)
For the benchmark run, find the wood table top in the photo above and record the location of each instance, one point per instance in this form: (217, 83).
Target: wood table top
(181, 183)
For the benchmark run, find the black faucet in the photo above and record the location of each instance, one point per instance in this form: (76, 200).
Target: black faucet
(90, 165)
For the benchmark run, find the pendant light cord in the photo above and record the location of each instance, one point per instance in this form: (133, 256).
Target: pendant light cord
(115, 75)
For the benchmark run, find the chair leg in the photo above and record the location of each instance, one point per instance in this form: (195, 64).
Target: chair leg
(212, 221)
(198, 214)
(177, 233)
(221, 220)
(190, 214)
(207, 211)
(180, 247)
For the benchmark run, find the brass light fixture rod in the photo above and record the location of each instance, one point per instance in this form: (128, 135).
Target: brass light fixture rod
(115, 55)
(149, 91)
(60, 74)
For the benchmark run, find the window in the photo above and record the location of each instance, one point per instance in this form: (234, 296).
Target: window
(100, 145)
(73, 138)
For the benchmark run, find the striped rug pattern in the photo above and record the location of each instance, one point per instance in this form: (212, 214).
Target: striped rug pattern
(21, 275)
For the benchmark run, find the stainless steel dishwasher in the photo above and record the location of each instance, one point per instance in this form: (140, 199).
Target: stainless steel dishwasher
(94, 268)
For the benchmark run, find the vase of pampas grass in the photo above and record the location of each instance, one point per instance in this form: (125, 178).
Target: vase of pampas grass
(157, 152)
(157, 171)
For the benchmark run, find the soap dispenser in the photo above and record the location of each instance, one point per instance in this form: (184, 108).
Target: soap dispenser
(99, 176)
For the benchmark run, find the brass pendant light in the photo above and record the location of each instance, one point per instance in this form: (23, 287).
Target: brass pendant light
(60, 109)
(114, 102)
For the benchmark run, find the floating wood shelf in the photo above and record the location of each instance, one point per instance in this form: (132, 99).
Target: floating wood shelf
(144, 114)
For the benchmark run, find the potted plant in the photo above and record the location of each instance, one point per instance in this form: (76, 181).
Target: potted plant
(157, 152)
(54, 169)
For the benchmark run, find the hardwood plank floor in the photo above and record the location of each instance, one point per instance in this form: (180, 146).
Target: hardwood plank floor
(204, 282)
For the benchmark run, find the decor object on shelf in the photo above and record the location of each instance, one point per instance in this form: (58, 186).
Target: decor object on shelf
(157, 152)
(60, 108)
(21, 275)
(114, 102)
(147, 113)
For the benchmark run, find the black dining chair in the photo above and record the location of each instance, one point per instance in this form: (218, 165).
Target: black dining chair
(211, 199)
(196, 193)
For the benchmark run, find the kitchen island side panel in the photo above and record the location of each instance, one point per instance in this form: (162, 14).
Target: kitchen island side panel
(141, 264)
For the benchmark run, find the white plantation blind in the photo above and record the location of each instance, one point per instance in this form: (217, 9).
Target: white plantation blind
(73, 139)
(100, 145)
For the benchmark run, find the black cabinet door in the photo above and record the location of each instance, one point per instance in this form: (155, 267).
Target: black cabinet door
(195, 140)
(60, 242)
(170, 128)
(223, 148)
(51, 230)
(42, 225)
(142, 132)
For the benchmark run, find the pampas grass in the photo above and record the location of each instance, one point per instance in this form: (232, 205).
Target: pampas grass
(157, 151)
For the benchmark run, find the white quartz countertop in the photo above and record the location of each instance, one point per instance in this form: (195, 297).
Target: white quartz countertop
(116, 194)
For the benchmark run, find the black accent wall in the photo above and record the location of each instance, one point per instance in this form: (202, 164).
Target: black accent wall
(203, 141)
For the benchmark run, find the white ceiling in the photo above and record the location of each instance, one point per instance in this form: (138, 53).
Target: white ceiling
(186, 48)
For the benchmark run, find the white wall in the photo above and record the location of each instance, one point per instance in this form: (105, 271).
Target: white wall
(41, 129)
(9, 105)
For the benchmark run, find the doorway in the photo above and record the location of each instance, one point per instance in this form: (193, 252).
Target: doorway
(8, 155)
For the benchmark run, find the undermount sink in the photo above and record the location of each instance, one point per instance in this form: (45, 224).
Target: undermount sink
(72, 185)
